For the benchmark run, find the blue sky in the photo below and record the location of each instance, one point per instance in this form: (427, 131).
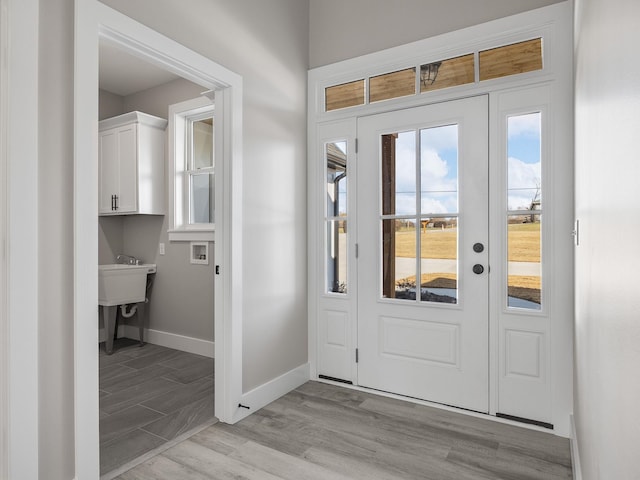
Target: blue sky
(439, 166)
(439, 170)
(524, 167)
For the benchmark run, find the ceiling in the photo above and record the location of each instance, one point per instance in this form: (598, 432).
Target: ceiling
(124, 74)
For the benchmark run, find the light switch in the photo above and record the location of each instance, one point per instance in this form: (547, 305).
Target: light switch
(161, 249)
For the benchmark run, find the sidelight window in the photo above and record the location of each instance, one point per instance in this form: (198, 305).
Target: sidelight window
(524, 211)
(336, 217)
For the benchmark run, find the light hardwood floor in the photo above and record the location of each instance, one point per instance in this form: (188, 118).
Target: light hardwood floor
(148, 396)
(325, 432)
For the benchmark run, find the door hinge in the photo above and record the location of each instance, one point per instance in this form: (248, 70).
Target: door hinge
(217, 269)
(357, 356)
(357, 250)
(356, 145)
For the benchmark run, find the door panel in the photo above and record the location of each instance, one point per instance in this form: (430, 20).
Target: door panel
(422, 196)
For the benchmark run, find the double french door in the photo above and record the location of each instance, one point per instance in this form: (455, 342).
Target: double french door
(422, 236)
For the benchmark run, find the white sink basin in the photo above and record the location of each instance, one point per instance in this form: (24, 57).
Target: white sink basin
(120, 284)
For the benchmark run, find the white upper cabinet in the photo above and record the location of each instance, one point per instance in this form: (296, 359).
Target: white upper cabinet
(131, 153)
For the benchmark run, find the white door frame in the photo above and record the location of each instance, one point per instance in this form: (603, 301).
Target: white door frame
(552, 23)
(94, 21)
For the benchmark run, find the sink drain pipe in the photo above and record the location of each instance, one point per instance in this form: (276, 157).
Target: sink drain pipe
(133, 309)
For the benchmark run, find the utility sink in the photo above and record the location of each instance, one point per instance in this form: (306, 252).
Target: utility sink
(120, 284)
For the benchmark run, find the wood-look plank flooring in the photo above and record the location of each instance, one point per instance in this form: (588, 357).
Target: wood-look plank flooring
(325, 432)
(148, 396)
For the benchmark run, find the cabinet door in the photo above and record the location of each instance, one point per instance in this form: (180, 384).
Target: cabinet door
(109, 171)
(128, 169)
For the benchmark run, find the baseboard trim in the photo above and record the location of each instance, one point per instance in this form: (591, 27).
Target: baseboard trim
(575, 452)
(265, 394)
(166, 339)
(173, 340)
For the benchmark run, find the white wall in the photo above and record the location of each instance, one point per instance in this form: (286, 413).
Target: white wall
(55, 234)
(110, 104)
(345, 29)
(607, 334)
(266, 43)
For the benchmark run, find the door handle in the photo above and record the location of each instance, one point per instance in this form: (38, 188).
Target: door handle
(478, 269)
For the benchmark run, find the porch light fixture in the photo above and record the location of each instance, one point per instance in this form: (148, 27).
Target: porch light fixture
(429, 73)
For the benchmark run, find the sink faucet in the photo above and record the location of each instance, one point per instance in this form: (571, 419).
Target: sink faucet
(127, 259)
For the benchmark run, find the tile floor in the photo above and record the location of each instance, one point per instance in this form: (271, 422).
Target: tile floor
(148, 396)
(327, 432)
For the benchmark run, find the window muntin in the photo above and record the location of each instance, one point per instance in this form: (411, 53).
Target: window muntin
(524, 211)
(419, 214)
(336, 216)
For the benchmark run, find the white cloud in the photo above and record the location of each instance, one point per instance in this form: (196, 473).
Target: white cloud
(523, 175)
(524, 125)
(435, 172)
(524, 179)
(440, 138)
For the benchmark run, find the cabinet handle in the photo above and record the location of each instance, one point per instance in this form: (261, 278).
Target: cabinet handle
(116, 201)
(113, 202)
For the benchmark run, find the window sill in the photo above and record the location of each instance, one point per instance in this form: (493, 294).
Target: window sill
(183, 235)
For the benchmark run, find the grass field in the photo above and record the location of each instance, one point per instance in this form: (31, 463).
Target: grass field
(523, 239)
(523, 246)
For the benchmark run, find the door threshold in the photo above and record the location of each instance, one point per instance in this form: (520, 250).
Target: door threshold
(157, 451)
(464, 411)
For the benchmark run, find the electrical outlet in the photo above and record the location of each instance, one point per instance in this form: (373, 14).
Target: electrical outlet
(161, 249)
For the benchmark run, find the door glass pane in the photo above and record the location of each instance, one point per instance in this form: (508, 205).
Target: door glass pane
(201, 187)
(524, 162)
(392, 85)
(336, 154)
(439, 170)
(447, 73)
(399, 173)
(336, 217)
(524, 199)
(344, 95)
(511, 59)
(337, 256)
(439, 260)
(399, 259)
(524, 269)
(202, 143)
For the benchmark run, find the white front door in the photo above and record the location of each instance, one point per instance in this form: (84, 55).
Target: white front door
(422, 233)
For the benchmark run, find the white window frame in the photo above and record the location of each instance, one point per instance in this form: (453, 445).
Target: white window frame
(180, 114)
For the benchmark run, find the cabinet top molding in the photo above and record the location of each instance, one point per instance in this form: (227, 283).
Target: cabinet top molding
(133, 117)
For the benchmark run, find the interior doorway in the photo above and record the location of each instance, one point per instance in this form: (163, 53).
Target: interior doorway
(94, 21)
